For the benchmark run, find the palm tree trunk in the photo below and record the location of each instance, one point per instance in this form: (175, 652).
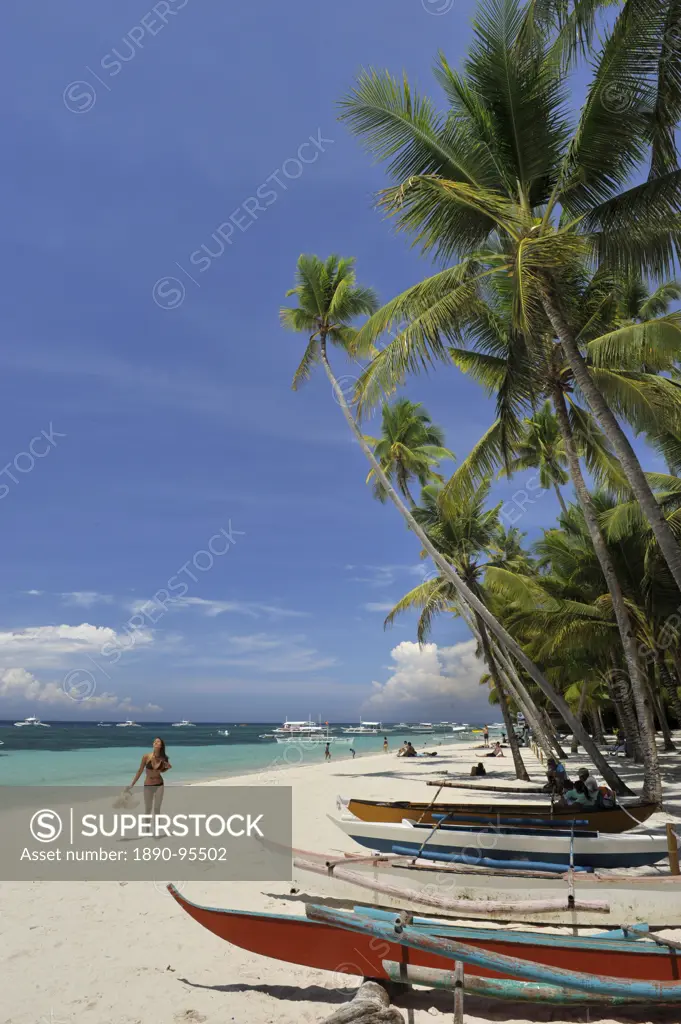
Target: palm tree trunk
(616, 436)
(518, 763)
(580, 716)
(629, 710)
(596, 726)
(661, 713)
(652, 782)
(546, 740)
(669, 686)
(515, 686)
(561, 499)
(495, 627)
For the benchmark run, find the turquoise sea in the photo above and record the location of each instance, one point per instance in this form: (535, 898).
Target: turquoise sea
(82, 754)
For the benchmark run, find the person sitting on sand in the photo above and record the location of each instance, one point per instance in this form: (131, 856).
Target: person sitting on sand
(478, 769)
(496, 751)
(410, 751)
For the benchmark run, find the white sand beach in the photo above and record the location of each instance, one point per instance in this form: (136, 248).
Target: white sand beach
(126, 953)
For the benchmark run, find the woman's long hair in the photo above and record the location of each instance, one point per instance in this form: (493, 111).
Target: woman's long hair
(162, 752)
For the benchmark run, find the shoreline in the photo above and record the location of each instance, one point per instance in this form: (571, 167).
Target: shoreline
(126, 953)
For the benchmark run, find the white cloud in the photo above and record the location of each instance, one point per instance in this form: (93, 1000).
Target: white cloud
(34, 593)
(85, 598)
(379, 606)
(212, 609)
(55, 645)
(17, 685)
(264, 652)
(437, 682)
(386, 575)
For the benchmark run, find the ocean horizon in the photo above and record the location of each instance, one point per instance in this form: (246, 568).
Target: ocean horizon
(83, 753)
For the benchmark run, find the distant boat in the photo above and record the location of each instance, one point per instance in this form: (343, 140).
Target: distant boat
(223, 732)
(184, 724)
(103, 725)
(128, 725)
(422, 727)
(365, 729)
(32, 720)
(460, 728)
(295, 731)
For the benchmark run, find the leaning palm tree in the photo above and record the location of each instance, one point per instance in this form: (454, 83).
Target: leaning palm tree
(409, 449)
(526, 199)
(328, 299)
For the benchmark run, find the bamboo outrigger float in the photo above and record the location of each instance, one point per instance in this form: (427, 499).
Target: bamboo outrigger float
(629, 971)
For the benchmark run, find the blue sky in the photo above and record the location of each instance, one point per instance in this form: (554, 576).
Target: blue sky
(136, 132)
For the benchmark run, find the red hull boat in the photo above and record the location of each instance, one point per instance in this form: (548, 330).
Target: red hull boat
(329, 948)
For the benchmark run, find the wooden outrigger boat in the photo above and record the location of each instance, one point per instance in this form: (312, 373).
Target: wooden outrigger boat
(345, 942)
(617, 819)
(506, 846)
(533, 897)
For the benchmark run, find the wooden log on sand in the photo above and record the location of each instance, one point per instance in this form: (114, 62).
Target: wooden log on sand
(369, 1005)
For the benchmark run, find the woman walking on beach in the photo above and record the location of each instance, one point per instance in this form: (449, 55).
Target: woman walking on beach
(153, 765)
(327, 753)
(385, 745)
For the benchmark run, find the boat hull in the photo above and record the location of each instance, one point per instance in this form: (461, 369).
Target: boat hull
(485, 846)
(330, 948)
(650, 899)
(610, 821)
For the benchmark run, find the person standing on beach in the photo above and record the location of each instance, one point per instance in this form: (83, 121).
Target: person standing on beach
(385, 745)
(485, 736)
(352, 751)
(153, 765)
(327, 753)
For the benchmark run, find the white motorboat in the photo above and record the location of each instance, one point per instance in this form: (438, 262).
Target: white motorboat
(460, 728)
(297, 731)
(422, 728)
(184, 724)
(32, 720)
(128, 725)
(364, 729)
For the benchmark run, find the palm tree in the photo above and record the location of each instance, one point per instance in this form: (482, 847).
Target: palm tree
(409, 449)
(499, 357)
(462, 535)
(328, 298)
(525, 199)
(542, 448)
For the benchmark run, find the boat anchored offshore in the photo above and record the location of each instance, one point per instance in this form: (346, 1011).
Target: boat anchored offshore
(184, 724)
(298, 730)
(364, 729)
(421, 728)
(32, 720)
(128, 725)
(103, 725)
